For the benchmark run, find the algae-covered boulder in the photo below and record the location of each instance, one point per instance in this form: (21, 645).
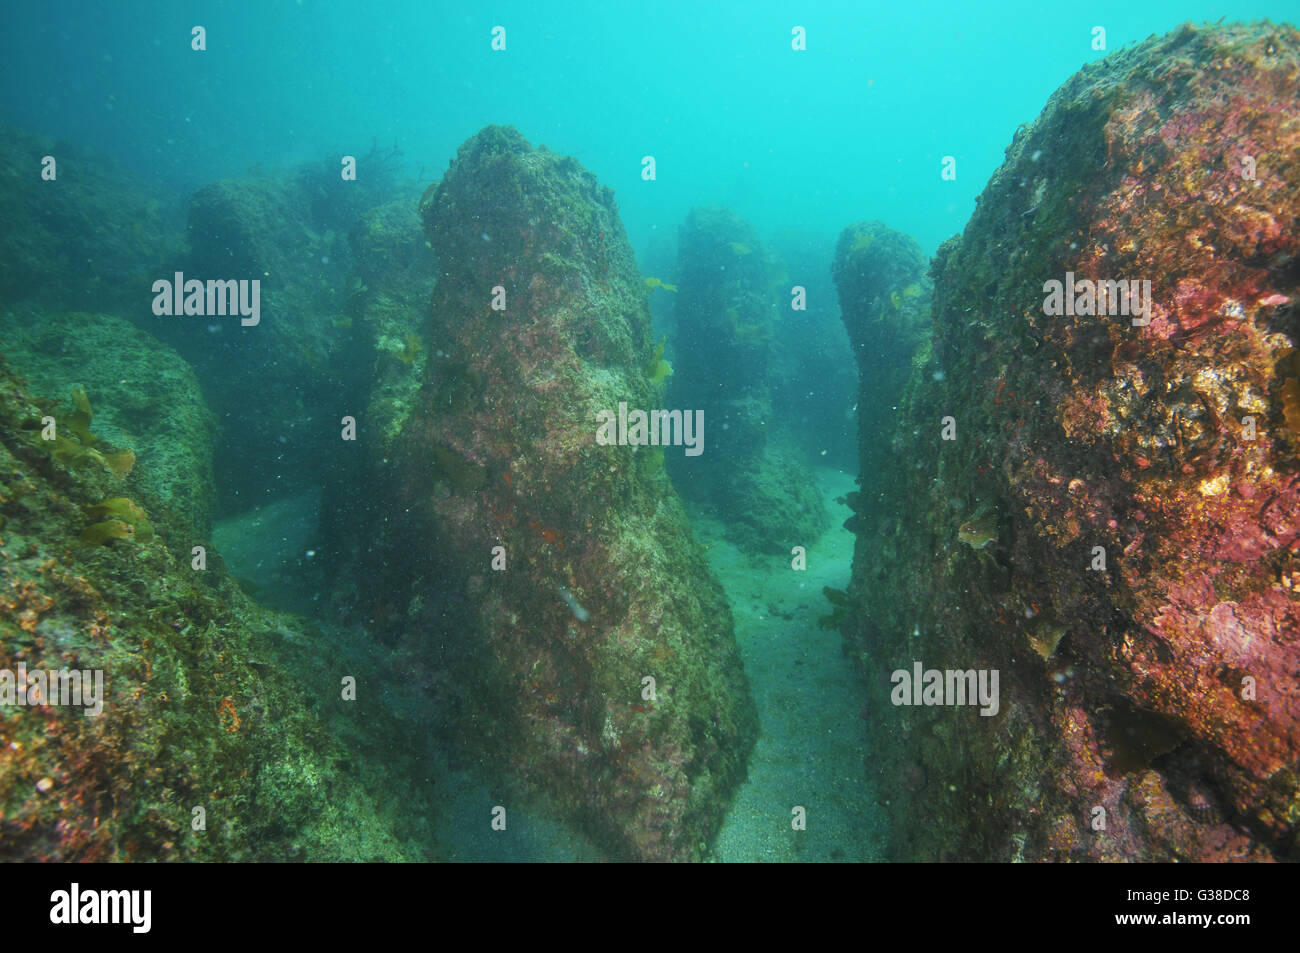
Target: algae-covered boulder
(280, 387)
(885, 306)
(143, 396)
(560, 569)
(92, 237)
(289, 226)
(726, 314)
(193, 742)
(880, 275)
(1113, 523)
(389, 291)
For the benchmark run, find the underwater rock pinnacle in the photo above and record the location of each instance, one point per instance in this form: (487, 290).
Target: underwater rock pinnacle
(613, 683)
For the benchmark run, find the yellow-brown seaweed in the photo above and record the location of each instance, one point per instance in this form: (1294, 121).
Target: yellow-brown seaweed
(979, 532)
(1289, 369)
(125, 510)
(1046, 636)
(77, 452)
(68, 452)
(1291, 405)
(119, 463)
(660, 370)
(412, 348)
(79, 421)
(118, 507)
(100, 533)
(1136, 737)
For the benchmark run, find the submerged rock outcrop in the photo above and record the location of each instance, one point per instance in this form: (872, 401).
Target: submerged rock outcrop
(814, 378)
(81, 233)
(214, 729)
(1100, 499)
(885, 297)
(388, 292)
(143, 396)
(554, 575)
(95, 239)
(725, 316)
(306, 360)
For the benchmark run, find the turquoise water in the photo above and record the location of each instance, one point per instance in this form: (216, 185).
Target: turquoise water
(860, 120)
(861, 124)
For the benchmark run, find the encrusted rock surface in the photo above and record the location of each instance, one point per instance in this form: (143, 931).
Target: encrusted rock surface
(1161, 689)
(221, 735)
(143, 396)
(603, 586)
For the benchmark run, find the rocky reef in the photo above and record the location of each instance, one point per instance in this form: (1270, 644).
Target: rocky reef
(885, 297)
(1098, 498)
(555, 575)
(309, 357)
(142, 395)
(92, 238)
(389, 292)
(726, 315)
(222, 732)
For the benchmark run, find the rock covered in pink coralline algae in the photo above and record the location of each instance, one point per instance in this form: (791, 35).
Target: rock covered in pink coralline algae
(603, 587)
(1162, 687)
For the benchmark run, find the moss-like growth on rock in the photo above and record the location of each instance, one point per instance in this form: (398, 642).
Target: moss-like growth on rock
(726, 316)
(602, 585)
(885, 303)
(146, 400)
(93, 238)
(198, 713)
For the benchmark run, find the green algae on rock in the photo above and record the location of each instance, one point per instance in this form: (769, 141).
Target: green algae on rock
(726, 315)
(205, 748)
(144, 396)
(606, 671)
(389, 291)
(95, 212)
(884, 303)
